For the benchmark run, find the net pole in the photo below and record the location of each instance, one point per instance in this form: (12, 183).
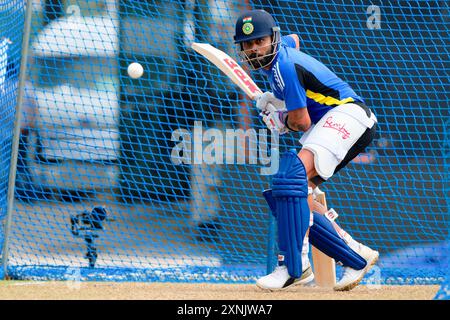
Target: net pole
(16, 135)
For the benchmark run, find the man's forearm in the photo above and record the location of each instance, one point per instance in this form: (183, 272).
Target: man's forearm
(296, 126)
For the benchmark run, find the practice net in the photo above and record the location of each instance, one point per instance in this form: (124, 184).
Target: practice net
(173, 164)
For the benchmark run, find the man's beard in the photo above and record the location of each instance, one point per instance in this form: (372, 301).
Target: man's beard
(260, 62)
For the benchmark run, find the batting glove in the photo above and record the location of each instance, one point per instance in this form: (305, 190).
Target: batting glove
(275, 120)
(268, 98)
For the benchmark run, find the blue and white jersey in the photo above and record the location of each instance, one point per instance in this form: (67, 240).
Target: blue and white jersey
(302, 81)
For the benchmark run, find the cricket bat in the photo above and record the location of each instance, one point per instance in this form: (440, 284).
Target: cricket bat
(230, 67)
(324, 266)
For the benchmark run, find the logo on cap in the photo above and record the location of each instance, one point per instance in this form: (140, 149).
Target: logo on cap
(247, 28)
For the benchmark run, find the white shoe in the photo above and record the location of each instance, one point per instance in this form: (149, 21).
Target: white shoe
(352, 277)
(280, 279)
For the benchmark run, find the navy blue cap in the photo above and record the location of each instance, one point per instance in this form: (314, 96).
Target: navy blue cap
(254, 24)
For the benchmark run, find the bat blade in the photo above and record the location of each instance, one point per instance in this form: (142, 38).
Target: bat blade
(324, 266)
(229, 67)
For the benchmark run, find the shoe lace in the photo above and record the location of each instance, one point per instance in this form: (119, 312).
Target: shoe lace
(278, 270)
(347, 270)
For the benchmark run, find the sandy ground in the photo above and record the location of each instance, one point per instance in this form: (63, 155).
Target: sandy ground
(51, 290)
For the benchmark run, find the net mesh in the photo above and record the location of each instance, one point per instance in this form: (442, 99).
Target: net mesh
(92, 136)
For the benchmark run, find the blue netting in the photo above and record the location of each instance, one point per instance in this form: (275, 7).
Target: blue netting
(11, 26)
(93, 136)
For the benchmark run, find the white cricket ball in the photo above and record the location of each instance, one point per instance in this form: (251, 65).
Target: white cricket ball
(135, 70)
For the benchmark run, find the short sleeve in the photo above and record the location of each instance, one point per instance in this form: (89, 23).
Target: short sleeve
(288, 41)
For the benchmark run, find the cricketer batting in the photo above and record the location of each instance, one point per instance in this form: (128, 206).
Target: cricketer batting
(336, 125)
